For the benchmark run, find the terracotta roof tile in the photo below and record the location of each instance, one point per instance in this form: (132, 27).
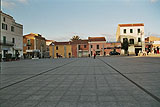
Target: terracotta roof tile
(131, 25)
(96, 38)
(79, 42)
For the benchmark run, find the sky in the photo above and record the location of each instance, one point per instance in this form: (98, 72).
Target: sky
(61, 19)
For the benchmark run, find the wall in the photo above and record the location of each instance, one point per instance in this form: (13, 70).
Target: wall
(61, 50)
(94, 47)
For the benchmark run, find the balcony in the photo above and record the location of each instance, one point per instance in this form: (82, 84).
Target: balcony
(6, 43)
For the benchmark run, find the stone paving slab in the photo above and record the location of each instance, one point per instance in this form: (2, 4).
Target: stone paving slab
(85, 83)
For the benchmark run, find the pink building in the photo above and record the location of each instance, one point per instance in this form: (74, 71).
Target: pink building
(112, 46)
(97, 45)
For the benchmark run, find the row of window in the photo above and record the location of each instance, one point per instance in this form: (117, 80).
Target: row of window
(79, 47)
(96, 46)
(131, 31)
(131, 41)
(4, 40)
(5, 27)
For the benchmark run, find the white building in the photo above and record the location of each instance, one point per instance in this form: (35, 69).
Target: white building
(11, 36)
(134, 34)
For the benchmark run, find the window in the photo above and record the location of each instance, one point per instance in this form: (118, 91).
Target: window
(131, 30)
(97, 46)
(125, 39)
(131, 41)
(4, 19)
(56, 47)
(12, 28)
(28, 41)
(139, 39)
(4, 39)
(91, 46)
(79, 47)
(139, 31)
(124, 31)
(28, 48)
(85, 46)
(4, 26)
(13, 40)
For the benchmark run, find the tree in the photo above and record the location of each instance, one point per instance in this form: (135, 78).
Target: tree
(125, 45)
(75, 38)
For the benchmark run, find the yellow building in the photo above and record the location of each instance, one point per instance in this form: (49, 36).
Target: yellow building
(60, 49)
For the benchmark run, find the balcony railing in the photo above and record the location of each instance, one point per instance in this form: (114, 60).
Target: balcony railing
(6, 43)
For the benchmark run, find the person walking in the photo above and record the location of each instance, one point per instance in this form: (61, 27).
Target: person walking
(94, 55)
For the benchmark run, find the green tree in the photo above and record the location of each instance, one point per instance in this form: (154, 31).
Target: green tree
(75, 38)
(125, 45)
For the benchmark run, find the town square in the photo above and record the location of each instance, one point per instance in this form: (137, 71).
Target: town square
(79, 53)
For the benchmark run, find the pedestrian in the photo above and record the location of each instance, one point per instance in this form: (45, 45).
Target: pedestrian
(157, 50)
(94, 55)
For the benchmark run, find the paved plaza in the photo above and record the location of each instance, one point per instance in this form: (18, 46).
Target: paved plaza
(81, 82)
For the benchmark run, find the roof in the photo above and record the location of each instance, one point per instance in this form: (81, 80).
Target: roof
(79, 42)
(6, 14)
(131, 25)
(62, 43)
(49, 40)
(34, 35)
(96, 38)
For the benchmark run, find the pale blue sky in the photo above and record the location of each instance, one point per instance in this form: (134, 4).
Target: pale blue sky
(61, 19)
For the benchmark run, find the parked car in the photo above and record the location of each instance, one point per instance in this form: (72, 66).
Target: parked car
(114, 53)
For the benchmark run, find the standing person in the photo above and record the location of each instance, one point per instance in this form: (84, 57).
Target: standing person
(157, 49)
(94, 55)
(154, 50)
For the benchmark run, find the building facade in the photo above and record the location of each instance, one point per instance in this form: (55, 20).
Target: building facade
(151, 44)
(11, 38)
(80, 48)
(97, 45)
(48, 43)
(112, 46)
(134, 34)
(34, 46)
(60, 50)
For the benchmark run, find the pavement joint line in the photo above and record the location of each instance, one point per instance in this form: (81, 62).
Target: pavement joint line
(43, 72)
(143, 89)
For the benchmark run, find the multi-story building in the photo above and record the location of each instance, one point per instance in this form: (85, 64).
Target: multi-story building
(80, 48)
(34, 45)
(97, 45)
(60, 49)
(11, 37)
(134, 34)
